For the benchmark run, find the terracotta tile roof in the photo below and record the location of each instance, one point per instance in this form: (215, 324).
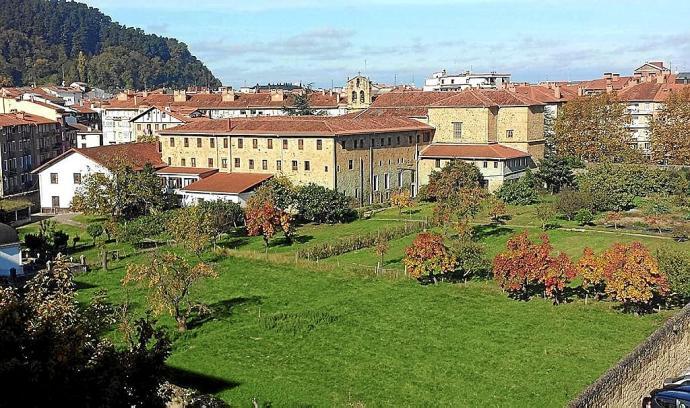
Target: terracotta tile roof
(471, 151)
(410, 112)
(82, 128)
(600, 84)
(410, 99)
(215, 101)
(228, 183)
(82, 108)
(136, 155)
(467, 98)
(650, 91)
(197, 171)
(299, 125)
(546, 94)
(14, 119)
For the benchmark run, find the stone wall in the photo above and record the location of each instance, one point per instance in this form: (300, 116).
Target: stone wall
(664, 354)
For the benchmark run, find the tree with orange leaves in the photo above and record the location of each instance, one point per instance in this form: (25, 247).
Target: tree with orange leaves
(632, 276)
(557, 276)
(590, 269)
(520, 269)
(670, 130)
(428, 256)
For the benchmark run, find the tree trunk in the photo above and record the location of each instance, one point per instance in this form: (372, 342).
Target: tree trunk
(104, 259)
(181, 324)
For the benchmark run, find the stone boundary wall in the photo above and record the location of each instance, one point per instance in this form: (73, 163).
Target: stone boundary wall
(665, 353)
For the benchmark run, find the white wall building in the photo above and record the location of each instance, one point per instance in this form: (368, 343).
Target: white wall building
(442, 81)
(234, 187)
(88, 136)
(117, 127)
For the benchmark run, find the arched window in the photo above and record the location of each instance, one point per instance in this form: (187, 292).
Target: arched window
(354, 96)
(361, 96)
(357, 82)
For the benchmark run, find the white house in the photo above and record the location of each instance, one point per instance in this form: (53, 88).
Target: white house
(10, 251)
(88, 136)
(235, 187)
(175, 178)
(443, 81)
(60, 178)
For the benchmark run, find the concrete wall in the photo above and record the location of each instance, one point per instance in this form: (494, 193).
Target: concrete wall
(664, 354)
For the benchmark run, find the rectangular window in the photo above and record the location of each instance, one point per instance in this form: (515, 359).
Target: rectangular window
(255, 143)
(251, 164)
(172, 142)
(279, 165)
(212, 141)
(300, 144)
(210, 161)
(319, 144)
(193, 161)
(294, 165)
(285, 144)
(386, 181)
(495, 164)
(183, 162)
(169, 161)
(400, 179)
(55, 201)
(264, 164)
(237, 162)
(438, 163)
(509, 133)
(224, 163)
(485, 164)
(225, 142)
(457, 130)
(186, 142)
(198, 142)
(390, 141)
(240, 143)
(53, 178)
(307, 165)
(77, 178)
(376, 183)
(409, 139)
(350, 164)
(269, 143)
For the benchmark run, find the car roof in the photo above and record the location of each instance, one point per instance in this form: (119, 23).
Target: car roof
(672, 393)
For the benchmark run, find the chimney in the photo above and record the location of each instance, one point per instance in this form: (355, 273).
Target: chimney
(20, 115)
(609, 87)
(580, 91)
(227, 95)
(337, 98)
(615, 76)
(144, 94)
(277, 95)
(180, 96)
(608, 75)
(122, 96)
(557, 92)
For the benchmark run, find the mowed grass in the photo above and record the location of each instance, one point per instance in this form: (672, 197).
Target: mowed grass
(297, 337)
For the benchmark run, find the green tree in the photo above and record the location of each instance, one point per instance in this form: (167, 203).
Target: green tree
(301, 104)
(322, 205)
(556, 173)
(519, 192)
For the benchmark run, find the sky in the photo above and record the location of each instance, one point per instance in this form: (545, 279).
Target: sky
(324, 42)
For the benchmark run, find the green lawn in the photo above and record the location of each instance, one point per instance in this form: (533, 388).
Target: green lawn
(322, 336)
(389, 342)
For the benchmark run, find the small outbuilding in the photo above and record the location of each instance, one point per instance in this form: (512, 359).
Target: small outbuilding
(235, 187)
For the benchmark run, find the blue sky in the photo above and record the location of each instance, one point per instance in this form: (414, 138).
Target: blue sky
(325, 41)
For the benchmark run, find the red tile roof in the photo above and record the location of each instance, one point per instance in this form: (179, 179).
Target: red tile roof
(82, 108)
(299, 126)
(467, 98)
(136, 155)
(197, 171)
(471, 151)
(601, 83)
(215, 101)
(228, 183)
(547, 94)
(21, 118)
(650, 91)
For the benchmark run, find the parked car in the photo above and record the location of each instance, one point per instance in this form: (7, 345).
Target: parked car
(675, 396)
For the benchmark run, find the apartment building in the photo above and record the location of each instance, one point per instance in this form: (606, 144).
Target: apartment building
(364, 158)
(27, 141)
(443, 81)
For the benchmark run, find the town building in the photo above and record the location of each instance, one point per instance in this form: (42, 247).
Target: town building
(154, 119)
(88, 136)
(175, 178)
(365, 158)
(359, 92)
(233, 187)
(499, 130)
(27, 142)
(61, 177)
(443, 81)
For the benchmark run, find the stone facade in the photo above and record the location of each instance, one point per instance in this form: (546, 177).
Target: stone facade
(664, 354)
(359, 93)
(475, 124)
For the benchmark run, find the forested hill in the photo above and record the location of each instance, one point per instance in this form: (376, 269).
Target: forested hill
(44, 41)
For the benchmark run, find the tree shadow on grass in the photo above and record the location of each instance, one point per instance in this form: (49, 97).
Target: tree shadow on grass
(282, 241)
(490, 230)
(203, 383)
(222, 310)
(234, 242)
(83, 285)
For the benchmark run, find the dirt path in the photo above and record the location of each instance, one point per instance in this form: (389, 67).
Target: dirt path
(68, 218)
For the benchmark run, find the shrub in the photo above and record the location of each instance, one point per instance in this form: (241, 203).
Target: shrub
(471, 258)
(145, 227)
(94, 230)
(519, 192)
(676, 265)
(428, 256)
(584, 217)
(545, 213)
(322, 205)
(352, 243)
(569, 202)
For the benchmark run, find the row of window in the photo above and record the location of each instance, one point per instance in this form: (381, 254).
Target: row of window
(457, 131)
(251, 164)
(76, 178)
(5, 130)
(240, 143)
(9, 183)
(156, 126)
(485, 163)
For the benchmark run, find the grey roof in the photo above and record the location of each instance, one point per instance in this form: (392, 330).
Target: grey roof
(8, 235)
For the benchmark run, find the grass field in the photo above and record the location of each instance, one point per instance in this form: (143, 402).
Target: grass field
(323, 336)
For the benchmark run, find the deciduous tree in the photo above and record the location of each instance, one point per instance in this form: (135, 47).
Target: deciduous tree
(670, 130)
(401, 199)
(521, 268)
(498, 211)
(593, 129)
(590, 268)
(169, 280)
(556, 173)
(428, 256)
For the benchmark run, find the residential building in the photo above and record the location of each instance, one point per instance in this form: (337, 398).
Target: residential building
(154, 119)
(27, 142)
(233, 187)
(61, 177)
(364, 158)
(175, 178)
(88, 136)
(652, 69)
(443, 81)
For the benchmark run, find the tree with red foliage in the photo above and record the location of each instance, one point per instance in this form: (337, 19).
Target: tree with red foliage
(526, 268)
(632, 276)
(262, 217)
(590, 269)
(428, 255)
